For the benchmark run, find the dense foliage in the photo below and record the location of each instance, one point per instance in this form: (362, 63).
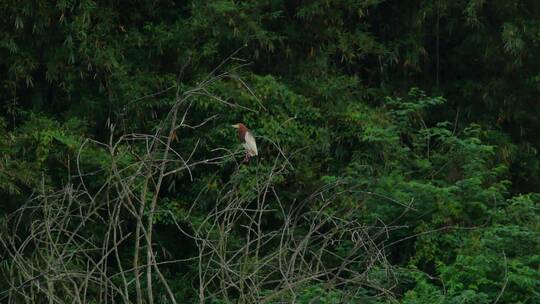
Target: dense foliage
(420, 116)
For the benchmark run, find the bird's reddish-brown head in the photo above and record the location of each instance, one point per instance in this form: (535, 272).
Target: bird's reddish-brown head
(242, 130)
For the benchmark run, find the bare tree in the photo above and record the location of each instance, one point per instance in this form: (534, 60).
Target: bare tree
(252, 248)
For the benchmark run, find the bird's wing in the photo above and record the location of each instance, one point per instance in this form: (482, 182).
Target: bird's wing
(250, 145)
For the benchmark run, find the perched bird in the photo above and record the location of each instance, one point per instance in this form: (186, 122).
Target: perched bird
(247, 139)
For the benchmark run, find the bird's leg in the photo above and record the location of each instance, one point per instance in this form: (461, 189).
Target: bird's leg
(246, 159)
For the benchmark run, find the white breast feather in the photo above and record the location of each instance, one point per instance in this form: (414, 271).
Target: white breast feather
(250, 144)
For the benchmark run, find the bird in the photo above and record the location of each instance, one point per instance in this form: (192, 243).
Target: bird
(247, 139)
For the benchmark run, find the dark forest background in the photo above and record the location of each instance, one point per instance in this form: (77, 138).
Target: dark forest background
(415, 121)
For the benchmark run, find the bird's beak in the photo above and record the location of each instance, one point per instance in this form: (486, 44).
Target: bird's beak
(235, 126)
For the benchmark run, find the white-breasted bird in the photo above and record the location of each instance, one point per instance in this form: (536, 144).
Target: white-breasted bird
(247, 139)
